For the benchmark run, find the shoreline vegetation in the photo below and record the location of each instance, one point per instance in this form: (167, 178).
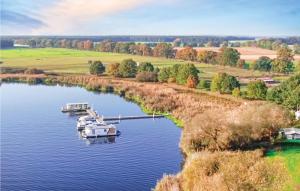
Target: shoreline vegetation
(225, 152)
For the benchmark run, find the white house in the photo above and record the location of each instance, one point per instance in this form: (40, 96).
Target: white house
(291, 133)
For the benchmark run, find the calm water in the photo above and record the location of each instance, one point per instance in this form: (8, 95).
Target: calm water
(41, 148)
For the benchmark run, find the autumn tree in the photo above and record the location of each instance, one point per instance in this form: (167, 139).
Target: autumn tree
(144, 50)
(228, 56)
(192, 81)
(284, 61)
(163, 50)
(107, 46)
(241, 63)
(207, 56)
(113, 69)
(187, 53)
(87, 45)
(128, 68)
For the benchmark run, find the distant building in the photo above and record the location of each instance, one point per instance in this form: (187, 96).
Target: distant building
(291, 133)
(269, 81)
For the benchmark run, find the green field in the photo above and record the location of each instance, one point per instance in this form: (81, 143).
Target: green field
(76, 61)
(290, 154)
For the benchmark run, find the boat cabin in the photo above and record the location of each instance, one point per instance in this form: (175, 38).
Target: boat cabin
(74, 107)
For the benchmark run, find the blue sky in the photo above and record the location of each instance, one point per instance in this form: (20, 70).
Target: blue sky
(151, 17)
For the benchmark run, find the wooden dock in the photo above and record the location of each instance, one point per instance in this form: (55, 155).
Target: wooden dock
(119, 118)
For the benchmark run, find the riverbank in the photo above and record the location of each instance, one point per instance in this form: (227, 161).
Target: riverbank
(192, 110)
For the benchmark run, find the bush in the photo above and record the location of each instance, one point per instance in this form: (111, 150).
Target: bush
(145, 67)
(164, 74)
(113, 69)
(232, 171)
(203, 84)
(264, 63)
(146, 77)
(33, 71)
(241, 63)
(287, 93)
(184, 71)
(214, 130)
(128, 68)
(257, 90)
(236, 92)
(192, 82)
(224, 83)
(97, 68)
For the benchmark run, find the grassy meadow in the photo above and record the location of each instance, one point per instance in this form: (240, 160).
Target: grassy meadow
(76, 61)
(291, 157)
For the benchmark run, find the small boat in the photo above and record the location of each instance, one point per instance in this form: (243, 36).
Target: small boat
(75, 107)
(99, 130)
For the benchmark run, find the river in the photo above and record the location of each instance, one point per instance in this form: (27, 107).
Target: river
(42, 150)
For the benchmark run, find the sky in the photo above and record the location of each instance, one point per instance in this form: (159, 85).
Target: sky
(151, 17)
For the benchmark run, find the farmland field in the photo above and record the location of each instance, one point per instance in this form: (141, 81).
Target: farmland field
(250, 53)
(76, 61)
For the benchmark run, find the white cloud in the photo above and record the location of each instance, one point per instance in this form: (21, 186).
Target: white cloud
(65, 15)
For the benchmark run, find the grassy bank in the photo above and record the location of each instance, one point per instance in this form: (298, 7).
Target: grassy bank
(290, 153)
(76, 61)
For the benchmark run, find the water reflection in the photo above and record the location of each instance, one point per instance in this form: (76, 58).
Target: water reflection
(98, 140)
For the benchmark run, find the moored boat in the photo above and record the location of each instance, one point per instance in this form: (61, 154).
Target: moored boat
(99, 130)
(75, 107)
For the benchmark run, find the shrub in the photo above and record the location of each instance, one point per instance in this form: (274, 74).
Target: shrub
(33, 71)
(257, 90)
(264, 63)
(113, 69)
(128, 68)
(241, 63)
(224, 83)
(203, 84)
(146, 77)
(236, 92)
(192, 82)
(184, 71)
(214, 130)
(145, 67)
(287, 93)
(97, 68)
(164, 74)
(232, 171)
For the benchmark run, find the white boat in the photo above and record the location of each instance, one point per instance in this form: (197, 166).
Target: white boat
(84, 121)
(99, 130)
(75, 107)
